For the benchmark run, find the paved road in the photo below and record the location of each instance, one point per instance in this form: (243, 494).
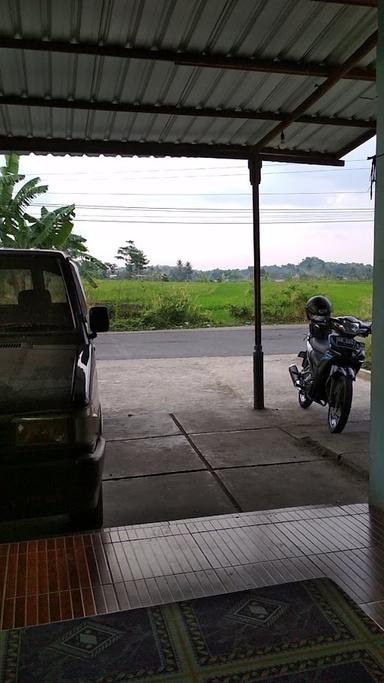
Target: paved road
(206, 343)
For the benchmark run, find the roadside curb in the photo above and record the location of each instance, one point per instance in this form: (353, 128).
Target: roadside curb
(365, 375)
(340, 458)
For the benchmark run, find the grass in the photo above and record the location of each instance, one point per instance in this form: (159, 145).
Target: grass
(144, 304)
(368, 353)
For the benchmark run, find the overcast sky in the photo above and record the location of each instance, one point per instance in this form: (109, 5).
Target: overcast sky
(200, 209)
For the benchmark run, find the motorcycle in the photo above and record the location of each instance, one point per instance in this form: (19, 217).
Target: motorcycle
(330, 365)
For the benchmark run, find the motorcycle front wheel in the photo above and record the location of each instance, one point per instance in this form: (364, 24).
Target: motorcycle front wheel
(304, 400)
(340, 402)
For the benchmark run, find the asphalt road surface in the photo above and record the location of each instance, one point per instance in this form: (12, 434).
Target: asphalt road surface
(206, 343)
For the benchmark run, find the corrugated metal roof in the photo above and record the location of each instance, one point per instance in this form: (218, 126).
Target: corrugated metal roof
(302, 32)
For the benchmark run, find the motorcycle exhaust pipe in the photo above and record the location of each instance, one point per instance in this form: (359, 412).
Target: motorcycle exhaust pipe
(295, 376)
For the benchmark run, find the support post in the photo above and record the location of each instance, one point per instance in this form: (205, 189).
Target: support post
(376, 464)
(254, 165)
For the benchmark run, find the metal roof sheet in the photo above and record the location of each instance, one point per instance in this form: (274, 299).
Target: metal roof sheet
(44, 90)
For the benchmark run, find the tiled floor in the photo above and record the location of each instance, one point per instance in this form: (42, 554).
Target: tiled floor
(126, 567)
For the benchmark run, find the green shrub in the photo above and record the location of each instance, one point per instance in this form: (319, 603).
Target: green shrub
(124, 311)
(288, 305)
(368, 354)
(173, 309)
(365, 308)
(243, 312)
(169, 309)
(125, 324)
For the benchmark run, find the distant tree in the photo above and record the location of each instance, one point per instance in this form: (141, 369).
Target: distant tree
(312, 266)
(90, 267)
(188, 271)
(134, 259)
(111, 269)
(178, 273)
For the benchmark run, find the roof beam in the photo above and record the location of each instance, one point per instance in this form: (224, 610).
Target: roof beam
(187, 58)
(355, 3)
(352, 145)
(26, 145)
(322, 89)
(172, 110)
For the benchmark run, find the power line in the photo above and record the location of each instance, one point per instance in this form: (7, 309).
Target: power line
(183, 222)
(135, 178)
(203, 194)
(133, 175)
(209, 209)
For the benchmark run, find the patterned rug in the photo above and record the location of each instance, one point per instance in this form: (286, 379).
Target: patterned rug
(306, 632)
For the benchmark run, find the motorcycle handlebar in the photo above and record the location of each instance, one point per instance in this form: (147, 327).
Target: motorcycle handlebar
(365, 329)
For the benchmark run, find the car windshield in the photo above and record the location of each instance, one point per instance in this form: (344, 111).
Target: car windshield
(33, 295)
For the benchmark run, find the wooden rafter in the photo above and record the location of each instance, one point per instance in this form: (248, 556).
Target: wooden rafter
(172, 110)
(159, 149)
(278, 66)
(367, 47)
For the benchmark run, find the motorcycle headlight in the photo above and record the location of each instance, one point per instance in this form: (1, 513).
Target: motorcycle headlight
(42, 431)
(351, 328)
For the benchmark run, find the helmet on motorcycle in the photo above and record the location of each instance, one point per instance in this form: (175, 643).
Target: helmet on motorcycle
(318, 308)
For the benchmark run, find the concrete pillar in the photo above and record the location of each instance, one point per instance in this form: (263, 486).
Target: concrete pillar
(376, 467)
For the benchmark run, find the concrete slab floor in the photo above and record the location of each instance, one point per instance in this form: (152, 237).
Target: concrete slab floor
(251, 447)
(143, 457)
(223, 419)
(211, 401)
(351, 447)
(337, 443)
(307, 483)
(357, 460)
(174, 385)
(144, 490)
(127, 426)
(164, 384)
(158, 498)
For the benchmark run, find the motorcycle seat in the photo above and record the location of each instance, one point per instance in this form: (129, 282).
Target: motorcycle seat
(319, 345)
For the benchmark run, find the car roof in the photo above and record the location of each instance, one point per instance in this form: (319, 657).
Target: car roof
(33, 252)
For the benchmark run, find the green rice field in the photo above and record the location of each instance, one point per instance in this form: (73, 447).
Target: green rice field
(222, 303)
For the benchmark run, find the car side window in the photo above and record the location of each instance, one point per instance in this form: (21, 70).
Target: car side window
(80, 291)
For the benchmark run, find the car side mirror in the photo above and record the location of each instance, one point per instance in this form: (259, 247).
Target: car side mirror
(98, 319)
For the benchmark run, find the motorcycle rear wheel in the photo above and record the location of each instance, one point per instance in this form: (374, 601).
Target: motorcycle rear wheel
(340, 402)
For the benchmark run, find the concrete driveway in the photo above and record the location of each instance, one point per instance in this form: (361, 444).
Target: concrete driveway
(184, 442)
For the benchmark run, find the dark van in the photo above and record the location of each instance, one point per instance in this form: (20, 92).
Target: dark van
(51, 444)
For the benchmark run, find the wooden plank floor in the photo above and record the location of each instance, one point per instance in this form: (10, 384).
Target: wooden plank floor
(62, 578)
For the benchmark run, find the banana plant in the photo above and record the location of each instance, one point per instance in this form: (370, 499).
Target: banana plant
(51, 230)
(14, 202)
